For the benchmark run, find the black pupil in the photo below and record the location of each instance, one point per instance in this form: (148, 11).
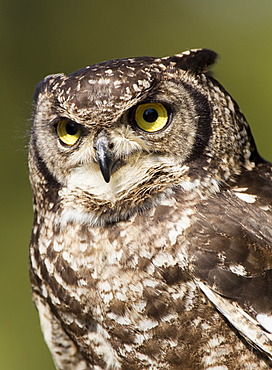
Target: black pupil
(71, 128)
(150, 115)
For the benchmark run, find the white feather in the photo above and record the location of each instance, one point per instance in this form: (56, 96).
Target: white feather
(243, 322)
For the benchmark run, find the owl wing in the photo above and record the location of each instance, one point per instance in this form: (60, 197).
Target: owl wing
(231, 255)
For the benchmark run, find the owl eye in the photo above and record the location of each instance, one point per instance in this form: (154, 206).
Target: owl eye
(151, 117)
(68, 131)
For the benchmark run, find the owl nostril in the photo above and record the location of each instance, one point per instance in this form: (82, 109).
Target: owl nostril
(110, 146)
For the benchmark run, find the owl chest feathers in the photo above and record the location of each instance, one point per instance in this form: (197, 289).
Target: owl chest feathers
(144, 242)
(118, 262)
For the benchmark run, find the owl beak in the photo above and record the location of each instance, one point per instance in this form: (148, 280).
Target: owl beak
(104, 156)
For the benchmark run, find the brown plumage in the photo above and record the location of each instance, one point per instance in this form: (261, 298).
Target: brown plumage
(151, 243)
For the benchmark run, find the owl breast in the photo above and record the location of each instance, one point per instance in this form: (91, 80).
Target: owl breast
(138, 286)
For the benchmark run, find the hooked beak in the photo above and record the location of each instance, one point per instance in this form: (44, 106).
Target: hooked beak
(104, 155)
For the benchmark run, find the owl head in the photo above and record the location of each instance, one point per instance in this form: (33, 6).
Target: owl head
(122, 134)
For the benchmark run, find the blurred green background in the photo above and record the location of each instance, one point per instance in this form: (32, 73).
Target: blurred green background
(38, 38)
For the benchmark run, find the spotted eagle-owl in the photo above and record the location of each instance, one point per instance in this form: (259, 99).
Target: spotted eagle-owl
(151, 244)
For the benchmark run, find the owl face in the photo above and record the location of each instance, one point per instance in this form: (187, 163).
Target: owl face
(108, 129)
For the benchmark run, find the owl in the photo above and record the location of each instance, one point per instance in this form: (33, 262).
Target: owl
(152, 238)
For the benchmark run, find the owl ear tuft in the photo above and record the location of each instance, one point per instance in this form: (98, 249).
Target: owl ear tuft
(195, 60)
(46, 83)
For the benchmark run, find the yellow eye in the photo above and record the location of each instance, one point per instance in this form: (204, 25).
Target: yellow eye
(68, 131)
(151, 117)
